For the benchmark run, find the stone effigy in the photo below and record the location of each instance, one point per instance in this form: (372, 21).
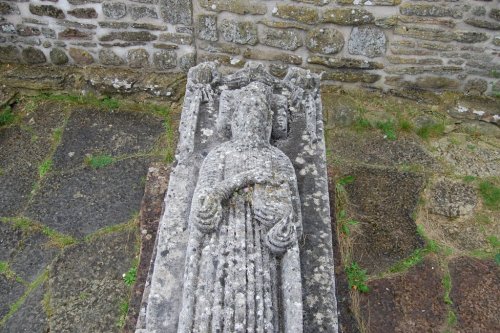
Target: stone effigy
(244, 244)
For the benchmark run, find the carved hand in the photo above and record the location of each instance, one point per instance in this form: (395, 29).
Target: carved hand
(209, 211)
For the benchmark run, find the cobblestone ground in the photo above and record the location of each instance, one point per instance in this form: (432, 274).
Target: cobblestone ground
(72, 177)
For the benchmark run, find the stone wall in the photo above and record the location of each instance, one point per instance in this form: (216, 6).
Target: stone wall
(435, 45)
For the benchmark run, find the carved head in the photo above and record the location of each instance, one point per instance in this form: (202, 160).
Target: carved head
(252, 119)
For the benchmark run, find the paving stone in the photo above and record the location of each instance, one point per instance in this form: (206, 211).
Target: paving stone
(32, 257)
(452, 199)
(10, 291)
(99, 132)
(86, 285)
(383, 201)
(409, 303)
(31, 317)
(475, 294)
(81, 201)
(9, 240)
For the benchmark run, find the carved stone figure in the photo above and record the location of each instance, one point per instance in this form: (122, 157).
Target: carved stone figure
(242, 266)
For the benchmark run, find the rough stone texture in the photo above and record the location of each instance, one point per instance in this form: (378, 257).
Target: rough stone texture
(409, 303)
(108, 57)
(8, 8)
(187, 61)
(139, 12)
(475, 22)
(138, 58)
(129, 36)
(422, 9)
(239, 32)
(90, 298)
(284, 39)
(347, 16)
(10, 291)
(324, 40)
(26, 31)
(81, 56)
(367, 41)
(58, 56)
(349, 76)
(114, 10)
(344, 63)
(10, 238)
(495, 14)
(297, 13)
(85, 13)
(475, 294)
(176, 11)
(476, 87)
(176, 38)
(164, 59)
(32, 55)
(235, 6)
(72, 33)
(9, 53)
(452, 199)
(207, 27)
(47, 10)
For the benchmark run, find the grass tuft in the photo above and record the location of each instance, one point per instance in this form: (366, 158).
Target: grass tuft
(124, 305)
(130, 277)
(490, 194)
(388, 128)
(57, 239)
(99, 161)
(357, 277)
(431, 131)
(7, 117)
(44, 167)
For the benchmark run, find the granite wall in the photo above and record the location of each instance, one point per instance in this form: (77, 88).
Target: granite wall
(435, 45)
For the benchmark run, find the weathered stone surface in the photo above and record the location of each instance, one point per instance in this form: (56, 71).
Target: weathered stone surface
(475, 22)
(76, 293)
(474, 294)
(80, 56)
(239, 32)
(165, 59)
(413, 70)
(148, 26)
(414, 61)
(344, 62)
(72, 33)
(7, 28)
(138, 12)
(476, 87)
(440, 35)
(387, 22)
(478, 11)
(83, 2)
(410, 303)
(278, 70)
(324, 40)
(370, 2)
(186, 61)
(287, 58)
(108, 57)
(85, 13)
(10, 239)
(26, 30)
(495, 14)
(284, 39)
(10, 292)
(207, 27)
(496, 41)
(424, 20)
(437, 83)
(452, 199)
(284, 24)
(58, 56)
(242, 7)
(7, 8)
(46, 10)
(114, 25)
(347, 16)
(301, 14)
(219, 47)
(367, 41)
(33, 55)
(176, 38)
(350, 76)
(9, 53)
(423, 9)
(176, 11)
(77, 25)
(138, 58)
(114, 10)
(129, 36)
(164, 46)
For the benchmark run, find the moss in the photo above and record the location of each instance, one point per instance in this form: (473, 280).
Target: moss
(99, 161)
(7, 117)
(44, 167)
(490, 194)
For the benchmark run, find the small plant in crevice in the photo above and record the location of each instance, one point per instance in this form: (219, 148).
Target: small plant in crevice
(130, 277)
(7, 116)
(361, 124)
(44, 167)
(356, 277)
(388, 128)
(123, 308)
(490, 194)
(99, 161)
(431, 130)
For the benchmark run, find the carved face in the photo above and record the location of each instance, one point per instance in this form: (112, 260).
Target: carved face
(252, 120)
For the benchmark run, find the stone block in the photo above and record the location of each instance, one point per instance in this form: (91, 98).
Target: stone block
(495, 14)
(46, 10)
(149, 26)
(476, 87)
(344, 63)
(425, 9)
(347, 16)
(176, 11)
(297, 13)
(437, 83)
(324, 40)
(239, 32)
(114, 25)
(80, 56)
(9, 53)
(350, 76)
(129, 36)
(48, 33)
(370, 2)
(58, 56)
(32, 55)
(176, 38)
(85, 13)
(7, 8)
(165, 59)
(207, 27)
(480, 23)
(242, 7)
(114, 10)
(72, 33)
(186, 61)
(26, 30)
(7, 28)
(139, 12)
(108, 57)
(367, 41)
(284, 39)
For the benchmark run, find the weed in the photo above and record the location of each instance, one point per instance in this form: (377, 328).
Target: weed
(110, 103)
(170, 137)
(83, 296)
(99, 161)
(57, 135)
(388, 128)
(123, 314)
(469, 179)
(490, 194)
(345, 226)
(497, 258)
(6, 271)
(361, 124)
(431, 131)
(6, 116)
(46, 304)
(57, 239)
(22, 223)
(357, 277)
(451, 319)
(130, 225)
(44, 167)
(494, 242)
(405, 125)
(130, 276)
(447, 288)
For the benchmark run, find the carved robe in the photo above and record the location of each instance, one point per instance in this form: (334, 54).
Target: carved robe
(244, 275)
